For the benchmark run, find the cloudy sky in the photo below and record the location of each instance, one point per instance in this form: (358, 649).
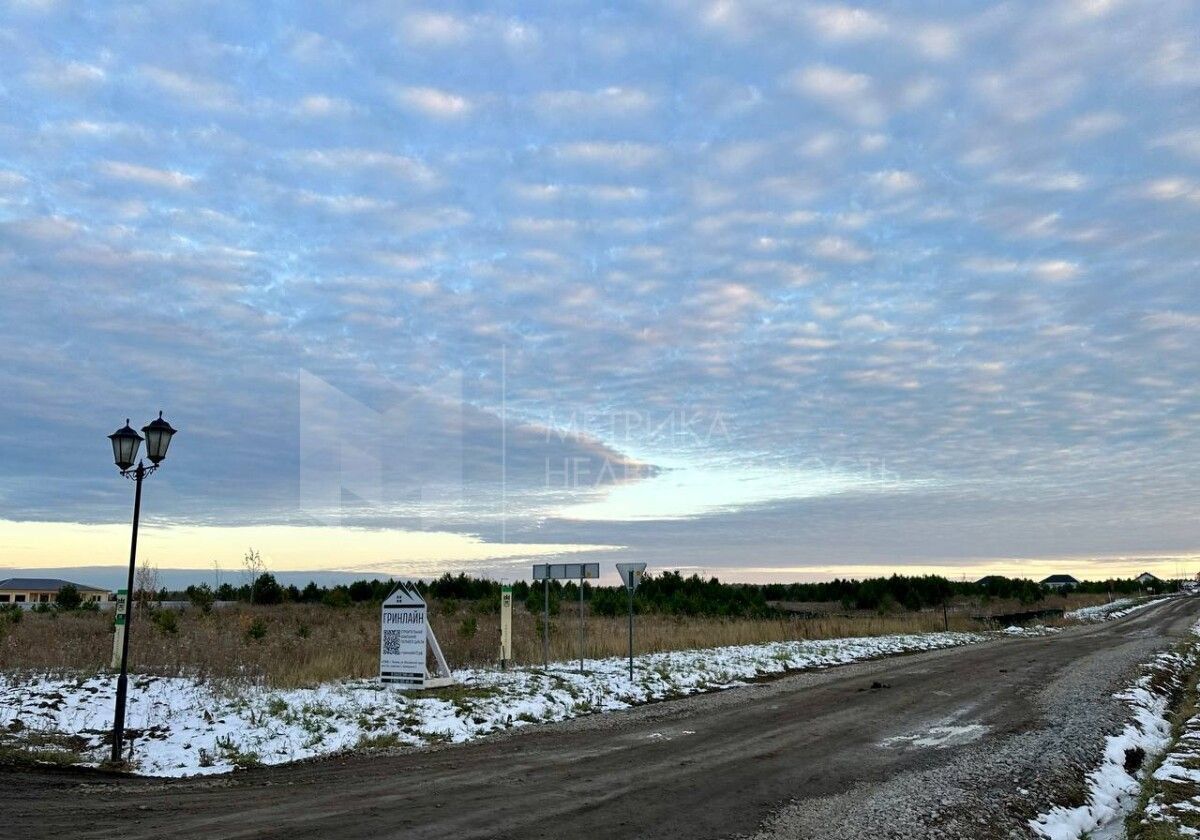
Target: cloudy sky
(768, 290)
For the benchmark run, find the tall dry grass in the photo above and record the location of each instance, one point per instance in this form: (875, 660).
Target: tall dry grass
(307, 644)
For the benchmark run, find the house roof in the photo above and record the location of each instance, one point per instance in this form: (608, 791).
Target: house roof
(1146, 574)
(45, 585)
(1060, 579)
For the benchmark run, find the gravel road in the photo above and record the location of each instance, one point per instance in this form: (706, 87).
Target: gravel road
(962, 743)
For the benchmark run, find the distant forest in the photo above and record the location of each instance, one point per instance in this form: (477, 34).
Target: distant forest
(670, 593)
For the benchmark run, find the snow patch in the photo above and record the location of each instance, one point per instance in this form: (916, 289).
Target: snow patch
(1112, 790)
(185, 726)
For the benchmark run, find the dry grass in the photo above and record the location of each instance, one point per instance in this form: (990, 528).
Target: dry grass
(307, 644)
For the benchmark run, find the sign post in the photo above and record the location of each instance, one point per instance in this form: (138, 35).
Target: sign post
(631, 576)
(404, 636)
(506, 596)
(119, 626)
(547, 572)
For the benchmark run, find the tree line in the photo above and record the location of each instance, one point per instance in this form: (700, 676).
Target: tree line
(670, 593)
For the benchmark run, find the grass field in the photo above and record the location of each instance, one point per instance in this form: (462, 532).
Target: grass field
(294, 645)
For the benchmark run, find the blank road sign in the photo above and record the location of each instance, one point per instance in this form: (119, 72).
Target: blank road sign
(566, 571)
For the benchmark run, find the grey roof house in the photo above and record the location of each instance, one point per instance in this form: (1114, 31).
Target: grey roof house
(42, 590)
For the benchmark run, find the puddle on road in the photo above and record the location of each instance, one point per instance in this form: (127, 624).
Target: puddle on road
(937, 737)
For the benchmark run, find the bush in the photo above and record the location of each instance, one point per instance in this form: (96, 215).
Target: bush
(166, 620)
(468, 627)
(257, 630)
(12, 613)
(338, 597)
(202, 597)
(266, 590)
(68, 598)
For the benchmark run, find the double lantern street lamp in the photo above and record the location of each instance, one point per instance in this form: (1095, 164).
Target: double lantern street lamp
(125, 443)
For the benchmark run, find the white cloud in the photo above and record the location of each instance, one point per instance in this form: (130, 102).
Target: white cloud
(1173, 189)
(149, 176)
(402, 165)
(845, 23)
(320, 106)
(433, 102)
(1043, 181)
(619, 155)
(609, 101)
(1055, 270)
(1049, 270)
(1095, 124)
(1185, 142)
(865, 321)
(839, 249)
(937, 42)
(895, 182)
(434, 29)
(850, 94)
(189, 91)
(70, 75)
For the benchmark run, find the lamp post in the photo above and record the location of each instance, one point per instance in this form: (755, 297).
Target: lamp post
(125, 443)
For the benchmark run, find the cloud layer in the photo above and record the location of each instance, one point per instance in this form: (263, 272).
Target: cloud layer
(955, 250)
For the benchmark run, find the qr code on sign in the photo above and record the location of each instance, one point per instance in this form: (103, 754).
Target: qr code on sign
(391, 642)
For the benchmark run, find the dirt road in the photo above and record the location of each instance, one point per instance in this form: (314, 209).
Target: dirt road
(921, 745)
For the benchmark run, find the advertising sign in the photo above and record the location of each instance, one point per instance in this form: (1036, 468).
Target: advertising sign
(402, 639)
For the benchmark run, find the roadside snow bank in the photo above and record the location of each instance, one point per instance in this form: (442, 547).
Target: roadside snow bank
(181, 726)
(1113, 609)
(1114, 786)
(1176, 797)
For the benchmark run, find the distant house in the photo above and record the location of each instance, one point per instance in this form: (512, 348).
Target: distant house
(29, 591)
(989, 580)
(1060, 582)
(1146, 579)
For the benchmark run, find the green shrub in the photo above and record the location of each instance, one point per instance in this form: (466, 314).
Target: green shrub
(166, 620)
(257, 630)
(202, 597)
(468, 627)
(338, 597)
(68, 598)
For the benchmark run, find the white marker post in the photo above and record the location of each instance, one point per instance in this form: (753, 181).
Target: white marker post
(631, 576)
(506, 596)
(119, 627)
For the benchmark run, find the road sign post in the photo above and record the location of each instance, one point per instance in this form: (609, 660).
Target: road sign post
(547, 572)
(506, 596)
(631, 576)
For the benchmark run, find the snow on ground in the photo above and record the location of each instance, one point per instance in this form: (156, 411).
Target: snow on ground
(1113, 609)
(1112, 790)
(182, 726)
(1177, 802)
(1035, 630)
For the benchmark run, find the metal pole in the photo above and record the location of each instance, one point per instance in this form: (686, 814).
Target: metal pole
(123, 679)
(581, 631)
(546, 624)
(631, 635)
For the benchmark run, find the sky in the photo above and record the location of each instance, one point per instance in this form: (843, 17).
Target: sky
(766, 290)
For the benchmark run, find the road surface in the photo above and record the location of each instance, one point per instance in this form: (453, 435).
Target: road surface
(805, 756)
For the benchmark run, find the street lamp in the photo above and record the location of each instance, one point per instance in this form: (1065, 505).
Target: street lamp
(125, 443)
